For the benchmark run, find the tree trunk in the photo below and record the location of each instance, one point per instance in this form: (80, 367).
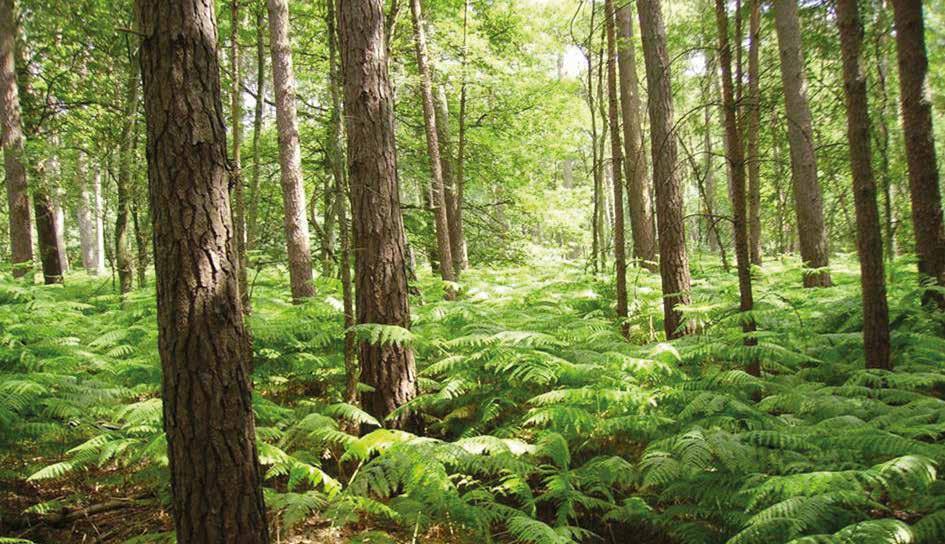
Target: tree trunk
(457, 237)
(616, 153)
(460, 181)
(123, 259)
(753, 129)
(886, 112)
(46, 235)
(99, 218)
(138, 210)
(638, 183)
(380, 255)
(12, 140)
(736, 160)
(447, 271)
(869, 239)
(674, 262)
(205, 348)
(337, 158)
(252, 213)
(920, 144)
(808, 200)
(85, 216)
(236, 172)
(596, 223)
(290, 154)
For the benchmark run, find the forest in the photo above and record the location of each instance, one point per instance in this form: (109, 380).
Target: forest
(472, 271)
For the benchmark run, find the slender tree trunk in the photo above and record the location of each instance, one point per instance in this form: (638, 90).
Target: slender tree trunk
(252, 212)
(337, 158)
(236, 166)
(674, 262)
(46, 235)
(99, 200)
(736, 160)
(123, 259)
(886, 112)
(596, 223)
(13, 141)
(460, 181)
(380, 254)
(205, 348)
(638, 182)
(753, 132)
(290, 154)
(85, 215)
(808, 200)
(457, 237)
(920, 144)
(60, 215)
(141, 241)
(868, 235)
(616, 153)
(447, 272)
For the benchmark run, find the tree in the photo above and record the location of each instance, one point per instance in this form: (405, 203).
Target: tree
(123, 259)
(616, 157)
(639, 191)
(674, 262)
(204, 346)
(869, 238)
(753, 132)
(290, 154)
(808, 200)
(21, 231)
(252, 212)
(736, 161)
(453, 214)
(380, 257)
(441, 220)
(236, 173)
(920, 144)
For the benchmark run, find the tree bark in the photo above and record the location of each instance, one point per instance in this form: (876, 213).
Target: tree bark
(920, 144)
(674, 262)
(236, 166)
(86, 216)
(252, 213)
(460, 181)
(380, 255)
(447, 272)
(13, 142)
(123, 258)
(808, 200)
(453, 215)
(869, 239)
(616, 153)
(753, 132)
(290, 154)
(99, 218)
(638, 182)
(736, 160)
(204, 346)
(46, 235)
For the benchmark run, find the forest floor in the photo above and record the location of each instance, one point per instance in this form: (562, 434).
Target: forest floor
(542, 423)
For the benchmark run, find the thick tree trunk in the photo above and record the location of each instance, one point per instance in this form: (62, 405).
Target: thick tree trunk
(337, 158)
(236, 166)
(205, 349)
(12, 140)
(453, 215)
(447, 272)
(674, 262)
(380, 255)
(123, 259)
(252, 213)
(753, 132)
(808, 200)
(869, 239)
(736, 160)
(920, 144)
(290, 154)
(638, 183)
(616, 153)
(46, 236)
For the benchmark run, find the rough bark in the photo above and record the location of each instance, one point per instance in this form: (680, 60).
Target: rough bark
(252, 212)
(920, 144)
(671, 229)
(123, 259)
(236, 166)
(869, 239)
(453, 215)
(447, 272)
(616, 153)
(638, 182)
(204, 346)
(736, 160)
(380, 255)
(753, 132)
(290, 154)
(13, 141)
(808, 201)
